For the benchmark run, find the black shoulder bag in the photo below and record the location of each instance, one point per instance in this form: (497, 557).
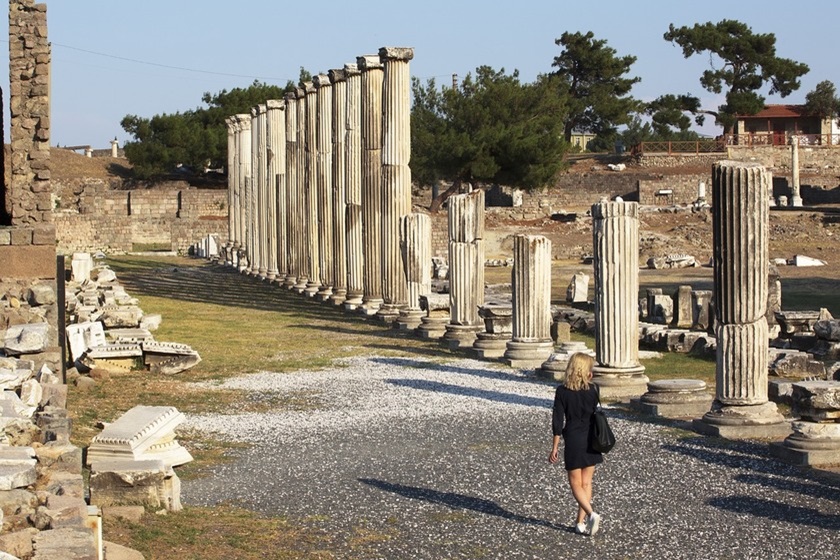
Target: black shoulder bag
(601, 436)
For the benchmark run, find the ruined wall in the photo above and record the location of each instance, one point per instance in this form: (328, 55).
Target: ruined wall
(118, 221)
(28, 195)
(674, 189)
(813, 159)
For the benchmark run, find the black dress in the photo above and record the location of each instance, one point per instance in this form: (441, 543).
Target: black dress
(572, 418)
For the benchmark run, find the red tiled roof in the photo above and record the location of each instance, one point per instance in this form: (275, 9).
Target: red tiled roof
(778, 112)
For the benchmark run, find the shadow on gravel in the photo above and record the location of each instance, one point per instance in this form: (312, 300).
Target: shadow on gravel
(453, 500)
(495, 396)
(774, 510)
(816, 490)
(477, 372)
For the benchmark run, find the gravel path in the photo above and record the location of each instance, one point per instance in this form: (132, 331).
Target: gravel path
(404, 458)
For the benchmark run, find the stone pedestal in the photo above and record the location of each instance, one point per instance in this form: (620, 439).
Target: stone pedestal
(615, 231)
(815, 440)
(396, 176)
(554, 368)
(371, 138)
(466, 268)
(741, 408)
(675, 398)
(433, 323)
(416, 244)
(353, 190)
(530, 343)
(498, 329)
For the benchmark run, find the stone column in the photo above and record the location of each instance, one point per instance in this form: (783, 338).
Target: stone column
(339, 191)
(245, 191)
(396, 175)
(353, 189)
(530, 343)
(371, 115)
(323, 140)
(311, 190)
(255, 239)
(304, 235)
(416, 244)
(293, 211)
(277, 226)
(615, 234)
(491, 343)
(230, 124)
(466, 268)
(741, 408)
(795, 198)
(265, 211)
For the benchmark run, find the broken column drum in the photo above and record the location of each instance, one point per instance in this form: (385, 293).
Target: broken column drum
(353, 189)
(371, 115)
(740, 235)
(615, 236)
(531, 343)
(339, 198)
(293, 211)
(323, 142)
(311, 190)
(466, 268)
(416, 242)
(396, 175)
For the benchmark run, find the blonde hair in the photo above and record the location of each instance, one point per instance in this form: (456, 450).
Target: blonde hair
(578, 370)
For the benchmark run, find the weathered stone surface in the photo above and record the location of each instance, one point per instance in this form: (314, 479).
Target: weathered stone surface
(797, 365)
(16, 476)
(124, 482)
(53, 394)
(27, 339)
(17, 544)
(129, 513)
(20, 432)
(64, 484)
(827, 330)
(121, 316)
(60, 511)
(144, 432)
(65, 543)
(115, 551)
(578, 289)
(14, 372)
(31, 393)
(816, 400)
(60, 456)
(40, 294)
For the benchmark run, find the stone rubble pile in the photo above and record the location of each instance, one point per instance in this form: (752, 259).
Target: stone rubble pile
(107, 329)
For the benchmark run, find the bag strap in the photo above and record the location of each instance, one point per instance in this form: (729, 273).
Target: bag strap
(598, 395)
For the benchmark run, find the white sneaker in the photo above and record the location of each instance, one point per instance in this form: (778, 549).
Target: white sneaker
(593, 523)
(580, 528)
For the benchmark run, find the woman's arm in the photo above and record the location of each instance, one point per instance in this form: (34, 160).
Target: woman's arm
(555, 445)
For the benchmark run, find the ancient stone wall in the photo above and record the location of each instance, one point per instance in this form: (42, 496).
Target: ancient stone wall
(28, 196)
(812, 159)
(674, 189)
(119, 221)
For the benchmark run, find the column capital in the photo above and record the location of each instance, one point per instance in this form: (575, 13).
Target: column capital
(321, 80)
(351, 69)
(369, 62)
(337, 75)
(300, 92)
(308, 87)
(244, 121)
(256, 110)
(396, 53)
(275, 104)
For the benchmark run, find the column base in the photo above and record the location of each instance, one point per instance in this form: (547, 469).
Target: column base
(490, 345)
(459, 337)
(338, 296)
(312, 290)
(620, 383)
(370, 307)
(409, 319)
(674, 398)
(289, 282)
(324, 294)
(388, 313)
(432, 327)
(353, 302)
(758, 421)
(262, 273)
(527, 355)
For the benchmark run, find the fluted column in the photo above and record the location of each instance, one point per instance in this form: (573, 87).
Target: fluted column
(466, 268)
(741, 408)
(230, 125)
(338, 78)
(244, 120)
(615, 234)
(304, 241)
(323, 139)
(277, 226)
(256, 196)
(795, 197)
(293, 210)
(311, 189)
(353, 189)
(371, 115)
(396, 175)
(531, 343)
(264, 210)
(416, 247)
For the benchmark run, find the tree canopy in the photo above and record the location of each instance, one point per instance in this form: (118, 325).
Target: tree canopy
(747, 62)
(195, 138)
(823, 101)
(592, 82)
(490, 128)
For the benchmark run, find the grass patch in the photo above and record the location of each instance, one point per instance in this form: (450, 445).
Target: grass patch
(150, 247)
(681, 366)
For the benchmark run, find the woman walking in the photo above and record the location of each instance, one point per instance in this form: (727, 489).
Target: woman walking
(574, 403)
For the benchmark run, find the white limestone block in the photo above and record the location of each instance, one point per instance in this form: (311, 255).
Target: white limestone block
(27, 339)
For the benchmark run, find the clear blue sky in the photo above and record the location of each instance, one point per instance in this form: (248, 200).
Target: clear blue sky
(227, 44)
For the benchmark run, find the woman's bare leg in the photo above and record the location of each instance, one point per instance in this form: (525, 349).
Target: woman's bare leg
(580, 481)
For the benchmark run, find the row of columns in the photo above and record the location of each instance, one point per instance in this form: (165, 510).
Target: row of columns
(320, 188)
